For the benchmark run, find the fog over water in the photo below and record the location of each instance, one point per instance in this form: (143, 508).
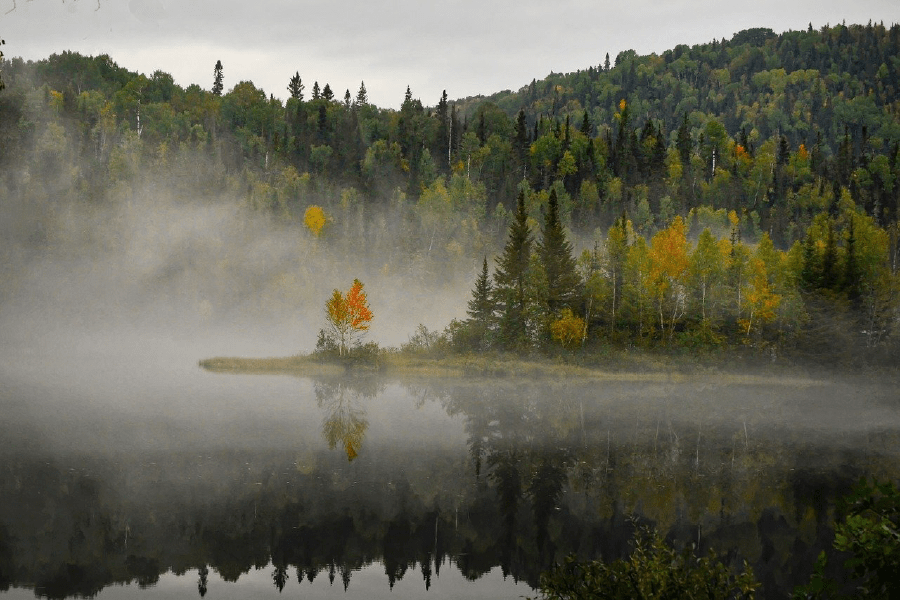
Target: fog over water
(123, 461)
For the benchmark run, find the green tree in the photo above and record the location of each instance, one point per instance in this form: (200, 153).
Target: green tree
(510, 280)
(2, 85)
(555, 252)
(295, 87)
(362, 97)
(653, 571)
(481, 308)
(217, 79)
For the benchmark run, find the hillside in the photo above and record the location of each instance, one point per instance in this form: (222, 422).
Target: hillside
(781, 144)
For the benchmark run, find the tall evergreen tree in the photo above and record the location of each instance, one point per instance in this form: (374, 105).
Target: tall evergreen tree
(362, 97)
(830, 275)
(683, 142)
(316, 91)
(295, 87)
(481, 307)
(555, 252)
(327, 93)
(523, 143)
(851, 265)
(510, 280)
(217, 79)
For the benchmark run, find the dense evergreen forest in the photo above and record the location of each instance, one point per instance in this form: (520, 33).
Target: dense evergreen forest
(742, 192)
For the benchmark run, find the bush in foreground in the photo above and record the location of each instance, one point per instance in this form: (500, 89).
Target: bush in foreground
(653, 571)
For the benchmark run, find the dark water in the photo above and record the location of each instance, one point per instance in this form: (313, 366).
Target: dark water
(123, 474)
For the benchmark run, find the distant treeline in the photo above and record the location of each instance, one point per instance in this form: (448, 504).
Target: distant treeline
(795, 135)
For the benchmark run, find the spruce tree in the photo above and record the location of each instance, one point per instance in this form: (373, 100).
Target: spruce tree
(810, 273)
(481, 307)
(295, 87)
(555, 252)
(510, 280)
(830, 275)
(362, 97)
(217, 79)
(683, 142)
(327, 93)
(851, 265)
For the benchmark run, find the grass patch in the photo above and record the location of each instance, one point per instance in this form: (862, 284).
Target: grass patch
(636, 367)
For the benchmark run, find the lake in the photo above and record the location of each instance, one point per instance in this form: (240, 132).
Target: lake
(128, 471)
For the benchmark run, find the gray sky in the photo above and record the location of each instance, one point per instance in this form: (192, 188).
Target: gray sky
(467, 47)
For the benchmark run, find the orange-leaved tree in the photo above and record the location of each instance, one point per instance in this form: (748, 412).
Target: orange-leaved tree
(348, 316)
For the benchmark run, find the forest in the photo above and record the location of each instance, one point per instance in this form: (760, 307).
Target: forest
(741, 193)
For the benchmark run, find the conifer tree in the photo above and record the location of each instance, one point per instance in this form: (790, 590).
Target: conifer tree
(586, 127)
(510, 280)
(481, 306)
(809, 273)
(556, 257)
(523, 143)
(327, 93)
(362, 97)
(830, 274)
(217, 79)
(851, 265)
(295, 87)
(316, 91)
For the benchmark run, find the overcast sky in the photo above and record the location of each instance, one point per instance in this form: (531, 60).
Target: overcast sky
(467, 47)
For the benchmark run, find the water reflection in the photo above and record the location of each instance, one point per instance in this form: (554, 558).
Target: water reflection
(547, 469)
(345, 421)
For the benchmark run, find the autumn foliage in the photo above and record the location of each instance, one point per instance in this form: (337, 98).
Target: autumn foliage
(348, 316)
(314, 219)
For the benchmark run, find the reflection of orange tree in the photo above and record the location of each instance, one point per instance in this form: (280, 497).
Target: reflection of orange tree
(345, 420)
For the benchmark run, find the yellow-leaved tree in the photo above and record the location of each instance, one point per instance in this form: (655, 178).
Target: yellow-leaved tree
(568, 330)
(314, 219)
(348, 316)
(668, 268)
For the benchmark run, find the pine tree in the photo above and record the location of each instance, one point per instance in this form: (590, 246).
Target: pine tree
(327, 93)
(683, 142)
(295, 87)
(510, 279)
(481, 307)
(217, 79)
(809, 274)
(362, 97)
(316, 91)
(851, 265)
(556, 257)
(586, 127)
(522, 141)
(829, 260)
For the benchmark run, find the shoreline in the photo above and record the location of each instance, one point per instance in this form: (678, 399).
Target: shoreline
(638, 369)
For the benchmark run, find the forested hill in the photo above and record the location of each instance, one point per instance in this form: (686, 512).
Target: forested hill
(773, 126)
(758, 144)
(798, 84)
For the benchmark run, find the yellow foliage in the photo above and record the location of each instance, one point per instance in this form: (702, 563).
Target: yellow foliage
(314, 218)
(568, 330)
(348, 315)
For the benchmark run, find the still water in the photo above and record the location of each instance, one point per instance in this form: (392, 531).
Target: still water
(132, 473)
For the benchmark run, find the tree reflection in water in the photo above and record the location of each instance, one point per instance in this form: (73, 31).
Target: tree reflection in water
(540, 471)
(345, 421)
